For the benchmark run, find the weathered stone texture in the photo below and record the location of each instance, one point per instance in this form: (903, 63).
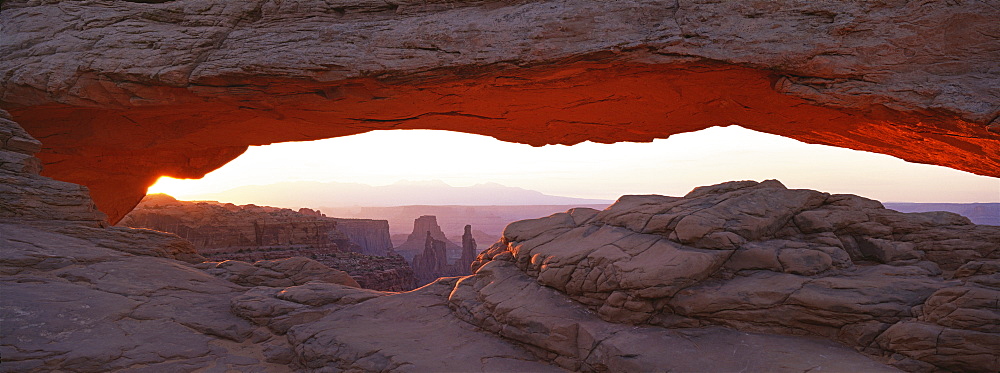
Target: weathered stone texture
(181, 87)
(253, 233)
(763, 258)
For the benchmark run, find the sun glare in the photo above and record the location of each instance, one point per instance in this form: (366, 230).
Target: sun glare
(667, 166)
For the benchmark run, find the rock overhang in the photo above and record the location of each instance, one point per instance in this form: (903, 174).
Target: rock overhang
(180, 88)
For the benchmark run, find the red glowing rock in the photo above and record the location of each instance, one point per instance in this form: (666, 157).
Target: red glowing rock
(179, 90)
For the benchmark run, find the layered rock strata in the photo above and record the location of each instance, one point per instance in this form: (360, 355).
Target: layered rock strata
(179, 88)
(82, 297)
(385, 273)
(27, 197)
(371, 235)
(918, 291)
(216, 228)
(416, 242)
(432, 263)
(253, 233)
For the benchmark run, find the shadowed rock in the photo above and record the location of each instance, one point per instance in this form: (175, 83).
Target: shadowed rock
(179, 88)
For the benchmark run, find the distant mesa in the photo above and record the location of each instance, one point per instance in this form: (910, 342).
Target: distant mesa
(487, 221)
(433, 255)
(978, 213)
(424, 227)
(250, 233)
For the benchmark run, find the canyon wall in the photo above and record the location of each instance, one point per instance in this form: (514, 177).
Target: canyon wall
(215, 227)
(371, 234)
(250, 233)
(126, 92)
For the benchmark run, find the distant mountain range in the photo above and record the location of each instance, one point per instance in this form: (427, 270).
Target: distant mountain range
(978, 213)
(404, 193)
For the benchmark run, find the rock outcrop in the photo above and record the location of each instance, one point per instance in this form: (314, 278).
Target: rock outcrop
(220, 228)
(371, 235)
(385, 273)
(81, 297)
(432, 263)
(416, 242)
(469, 251)
(179, 88)
(250, 233)
(27, 197)
(436, 256)
(916, 290)
(277, 273)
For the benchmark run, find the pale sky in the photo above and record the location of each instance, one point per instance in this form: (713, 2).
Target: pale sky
(668, 166)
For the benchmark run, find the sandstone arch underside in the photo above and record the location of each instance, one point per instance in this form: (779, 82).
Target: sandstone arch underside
(122, 93)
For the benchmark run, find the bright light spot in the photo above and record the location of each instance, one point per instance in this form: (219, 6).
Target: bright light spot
(668, 166)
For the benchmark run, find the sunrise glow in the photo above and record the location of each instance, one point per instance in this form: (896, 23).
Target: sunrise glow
(667, 166)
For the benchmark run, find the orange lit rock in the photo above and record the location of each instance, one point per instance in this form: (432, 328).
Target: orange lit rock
(123, 94)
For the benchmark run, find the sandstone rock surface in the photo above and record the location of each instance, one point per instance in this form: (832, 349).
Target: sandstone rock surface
(762, 258)
(277, 273)
(432, 263)
(27, 197)
(82, 297)
(181, 87)
(262, 234)
(736, 276)
(416, 242)
(216, 227)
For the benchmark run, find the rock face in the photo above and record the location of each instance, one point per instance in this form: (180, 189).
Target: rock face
(468, 249)
(253, 233)
(27, 197)
(79, 297)
(385, 273)
(371, 235)
(417, 241)
(220, 228)
(277, 273)
(216, 227)
(432, 263)
(436, 256)
(912, 289)
(904, 78)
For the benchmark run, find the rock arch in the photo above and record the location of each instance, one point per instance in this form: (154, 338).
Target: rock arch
(121, 95)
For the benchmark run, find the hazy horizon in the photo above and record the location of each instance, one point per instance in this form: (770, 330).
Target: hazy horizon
(670, 166)
(314, 194)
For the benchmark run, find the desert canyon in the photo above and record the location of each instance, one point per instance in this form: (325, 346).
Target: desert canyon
(98, 99)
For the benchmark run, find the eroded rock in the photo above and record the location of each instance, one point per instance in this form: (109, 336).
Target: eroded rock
(278, 272)
(763, 258)
(180, 88)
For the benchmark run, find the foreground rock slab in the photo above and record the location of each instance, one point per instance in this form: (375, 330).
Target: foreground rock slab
(760, 257)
